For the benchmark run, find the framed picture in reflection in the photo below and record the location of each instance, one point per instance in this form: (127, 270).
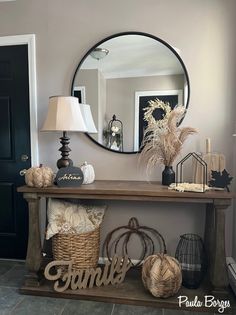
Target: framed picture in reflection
(173, 97)
(79, 92)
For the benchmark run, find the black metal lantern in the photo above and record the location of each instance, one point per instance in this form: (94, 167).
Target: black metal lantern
(115, 134)
(192, 257)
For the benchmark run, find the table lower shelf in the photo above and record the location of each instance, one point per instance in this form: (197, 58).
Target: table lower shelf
(132, 291)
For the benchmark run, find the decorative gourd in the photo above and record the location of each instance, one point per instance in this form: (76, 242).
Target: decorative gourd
(89, 174)
(161, 275)
(41, 176)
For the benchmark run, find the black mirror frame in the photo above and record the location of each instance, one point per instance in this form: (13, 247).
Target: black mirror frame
(122, 34)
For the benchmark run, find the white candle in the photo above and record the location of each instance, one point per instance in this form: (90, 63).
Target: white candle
(208, 145)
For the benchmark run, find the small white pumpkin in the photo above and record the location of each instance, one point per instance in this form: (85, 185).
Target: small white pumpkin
(89, 174)
(41, 176)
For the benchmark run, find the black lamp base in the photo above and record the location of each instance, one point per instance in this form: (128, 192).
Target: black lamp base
(64, 161)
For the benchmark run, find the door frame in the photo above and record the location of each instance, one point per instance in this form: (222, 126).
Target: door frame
(29, 40)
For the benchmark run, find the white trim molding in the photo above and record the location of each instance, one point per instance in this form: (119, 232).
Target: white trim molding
(82, 90)
(231, 265)
(29, 39)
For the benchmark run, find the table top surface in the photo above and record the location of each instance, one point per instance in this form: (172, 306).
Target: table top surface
(126, 188)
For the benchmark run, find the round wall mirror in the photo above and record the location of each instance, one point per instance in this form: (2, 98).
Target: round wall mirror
(118, 77)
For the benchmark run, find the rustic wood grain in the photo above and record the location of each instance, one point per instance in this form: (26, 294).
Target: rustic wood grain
(123, 189)
(219, 279)
(216, 201)
(132, 292)
(34, 250)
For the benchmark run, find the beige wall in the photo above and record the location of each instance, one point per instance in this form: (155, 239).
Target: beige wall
(204, 32)
(121, 98)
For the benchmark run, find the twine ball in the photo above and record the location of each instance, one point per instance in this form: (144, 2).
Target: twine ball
(161, 275)
(39, 177)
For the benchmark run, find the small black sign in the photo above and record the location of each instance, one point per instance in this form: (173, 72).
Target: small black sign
(69, 177)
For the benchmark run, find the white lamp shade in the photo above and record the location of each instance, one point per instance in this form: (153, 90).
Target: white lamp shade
(88, 118)
(64, 114)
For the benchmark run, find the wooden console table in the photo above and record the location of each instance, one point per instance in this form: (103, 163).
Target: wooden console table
(130, 292)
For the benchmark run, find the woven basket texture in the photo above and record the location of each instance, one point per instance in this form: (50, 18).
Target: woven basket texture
(161, 275)
(82, 249)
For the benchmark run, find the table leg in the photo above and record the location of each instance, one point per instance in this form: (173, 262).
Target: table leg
(209, 236)
(218, 268)
(34, 250)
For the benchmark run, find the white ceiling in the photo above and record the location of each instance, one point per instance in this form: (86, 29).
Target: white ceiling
(135, 55)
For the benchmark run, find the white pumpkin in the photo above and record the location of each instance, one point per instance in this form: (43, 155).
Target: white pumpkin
(89, 174)
(41, 176)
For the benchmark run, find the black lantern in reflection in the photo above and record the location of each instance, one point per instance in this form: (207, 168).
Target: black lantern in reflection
(192, 258)
(115, 134)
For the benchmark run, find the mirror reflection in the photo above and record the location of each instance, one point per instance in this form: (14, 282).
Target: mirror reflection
(118, 78)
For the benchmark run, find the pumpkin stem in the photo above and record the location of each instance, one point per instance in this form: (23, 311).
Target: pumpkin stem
(133, 223)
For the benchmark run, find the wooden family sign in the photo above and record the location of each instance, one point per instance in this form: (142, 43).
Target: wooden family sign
(113, 273)
(70, 176)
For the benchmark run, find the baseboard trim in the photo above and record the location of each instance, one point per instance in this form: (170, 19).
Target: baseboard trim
(231, 265)
(103, 260)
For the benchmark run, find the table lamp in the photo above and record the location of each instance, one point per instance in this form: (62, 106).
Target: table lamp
(64, 114)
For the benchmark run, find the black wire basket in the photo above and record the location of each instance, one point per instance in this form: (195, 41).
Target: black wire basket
(191, 255)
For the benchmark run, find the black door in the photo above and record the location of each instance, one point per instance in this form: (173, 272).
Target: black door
(14, 149)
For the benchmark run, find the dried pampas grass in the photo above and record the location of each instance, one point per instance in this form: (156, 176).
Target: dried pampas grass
(162, 143)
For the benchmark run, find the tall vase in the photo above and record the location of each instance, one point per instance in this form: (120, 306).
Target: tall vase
(168, 176)
(192, 257)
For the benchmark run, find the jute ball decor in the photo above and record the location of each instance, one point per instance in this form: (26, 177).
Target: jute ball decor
(161, 275)
(41, 176)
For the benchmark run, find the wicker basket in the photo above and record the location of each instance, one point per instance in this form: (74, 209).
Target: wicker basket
(83, 249)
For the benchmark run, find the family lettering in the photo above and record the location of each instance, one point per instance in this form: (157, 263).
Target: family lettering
(70, 177)
(113, 273)
(208, 301)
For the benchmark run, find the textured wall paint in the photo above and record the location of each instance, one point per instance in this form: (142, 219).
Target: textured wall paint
(204, 32)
